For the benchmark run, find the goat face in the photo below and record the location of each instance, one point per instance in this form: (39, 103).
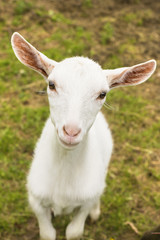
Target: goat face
(76, 91)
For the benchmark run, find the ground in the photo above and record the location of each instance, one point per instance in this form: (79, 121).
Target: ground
(115, 34)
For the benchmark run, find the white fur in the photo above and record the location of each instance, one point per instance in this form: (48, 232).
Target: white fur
(69, 172)
(63, 178)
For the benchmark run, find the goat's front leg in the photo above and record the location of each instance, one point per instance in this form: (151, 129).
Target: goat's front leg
(43, 214)
(75, 228)
(95, 211)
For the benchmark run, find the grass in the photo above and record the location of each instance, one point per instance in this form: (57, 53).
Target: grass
(138, 18)
(68, 44)
(87, 3)
(107, 33)
(133, 179)
(22, 7)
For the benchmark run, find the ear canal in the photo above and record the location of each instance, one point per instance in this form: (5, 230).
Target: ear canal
(132, 75)
(30, 56)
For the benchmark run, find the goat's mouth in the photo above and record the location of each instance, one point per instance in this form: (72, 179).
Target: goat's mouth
(68, 143)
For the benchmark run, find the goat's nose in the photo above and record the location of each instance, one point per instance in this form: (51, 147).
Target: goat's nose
(71, 130)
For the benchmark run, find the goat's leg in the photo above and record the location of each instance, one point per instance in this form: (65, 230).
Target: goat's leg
(75, 228)
(43, 214)
(95, 211)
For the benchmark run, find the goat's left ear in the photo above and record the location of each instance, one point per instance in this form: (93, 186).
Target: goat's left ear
(128, 76)
(30, 56)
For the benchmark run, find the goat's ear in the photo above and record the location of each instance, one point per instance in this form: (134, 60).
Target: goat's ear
(128, 76)
(30, 56)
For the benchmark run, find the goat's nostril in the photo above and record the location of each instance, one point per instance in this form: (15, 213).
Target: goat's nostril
(71, 130)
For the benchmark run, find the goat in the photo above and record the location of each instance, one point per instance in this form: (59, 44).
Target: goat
(72, 155)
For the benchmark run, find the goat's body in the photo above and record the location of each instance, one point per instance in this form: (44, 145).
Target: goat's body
(65, 179)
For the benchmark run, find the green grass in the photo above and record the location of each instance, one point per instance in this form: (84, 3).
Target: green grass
(67, 45)
(107, 33)
(132, 193)
(87, 3)
(138, 18)
(22, 7)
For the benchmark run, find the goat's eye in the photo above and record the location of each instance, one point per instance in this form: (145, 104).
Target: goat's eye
(102, 95)
(52, 85)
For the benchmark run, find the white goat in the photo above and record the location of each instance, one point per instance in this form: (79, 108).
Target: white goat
(72, 155)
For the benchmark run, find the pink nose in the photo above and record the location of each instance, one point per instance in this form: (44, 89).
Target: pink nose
(71, 130)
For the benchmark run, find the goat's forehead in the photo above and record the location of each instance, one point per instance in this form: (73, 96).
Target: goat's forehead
(80, 63)
(78, 69)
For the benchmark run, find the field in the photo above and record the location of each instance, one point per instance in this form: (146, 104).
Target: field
(115, 34)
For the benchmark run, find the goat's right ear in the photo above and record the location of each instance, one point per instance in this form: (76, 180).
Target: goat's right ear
(30, 56)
